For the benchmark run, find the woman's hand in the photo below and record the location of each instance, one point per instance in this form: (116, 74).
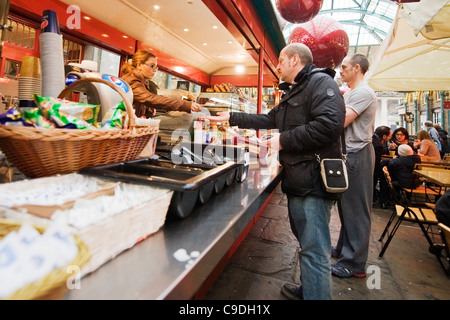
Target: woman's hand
(392, 146)
(150, 112)
(195, 107)
(221, 116)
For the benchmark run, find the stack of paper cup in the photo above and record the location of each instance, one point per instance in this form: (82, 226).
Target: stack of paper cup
(52, 57)
(29, 81)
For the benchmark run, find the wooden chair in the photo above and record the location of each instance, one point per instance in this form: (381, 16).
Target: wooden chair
(442, 252)
(404, 211)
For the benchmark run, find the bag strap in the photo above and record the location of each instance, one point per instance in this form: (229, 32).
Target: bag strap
(343, 148)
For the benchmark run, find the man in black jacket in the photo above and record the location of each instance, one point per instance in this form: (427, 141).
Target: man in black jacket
(310, 119)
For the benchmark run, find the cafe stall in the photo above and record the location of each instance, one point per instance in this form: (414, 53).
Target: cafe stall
(171, 243)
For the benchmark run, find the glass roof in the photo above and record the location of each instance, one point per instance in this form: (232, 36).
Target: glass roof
(366, 22)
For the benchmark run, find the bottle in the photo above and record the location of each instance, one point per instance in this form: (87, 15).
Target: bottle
(219, 133)
(198, 130)
(213, 133)
(206, 127)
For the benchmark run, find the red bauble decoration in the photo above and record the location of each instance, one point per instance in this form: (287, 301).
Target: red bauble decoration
(325, 38)
(298, 11)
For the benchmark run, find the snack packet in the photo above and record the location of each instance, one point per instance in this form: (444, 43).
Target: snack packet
(12, 117)
(82, 111)
(64, 121)
(115, 117)
(35, 118)
(68, 114)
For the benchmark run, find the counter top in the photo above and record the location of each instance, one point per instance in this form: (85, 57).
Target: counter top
(150, 270)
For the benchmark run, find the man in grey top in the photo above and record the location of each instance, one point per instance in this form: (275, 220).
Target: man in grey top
(361, 105)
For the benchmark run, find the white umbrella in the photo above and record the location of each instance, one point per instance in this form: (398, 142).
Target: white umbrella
(415, 55)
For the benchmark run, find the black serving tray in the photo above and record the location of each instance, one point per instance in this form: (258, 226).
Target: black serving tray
(192, 183)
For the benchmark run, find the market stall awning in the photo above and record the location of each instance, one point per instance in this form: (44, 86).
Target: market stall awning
(415, 58)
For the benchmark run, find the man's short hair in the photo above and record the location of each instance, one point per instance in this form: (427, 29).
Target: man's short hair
(382, 130)
(300, 49)
(362, 60)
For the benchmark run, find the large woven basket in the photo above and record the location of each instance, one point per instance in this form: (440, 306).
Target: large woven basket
(46, 152)
(54, 285)
(113, 235)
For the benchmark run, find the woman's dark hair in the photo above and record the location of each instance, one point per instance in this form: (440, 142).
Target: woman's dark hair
(140, 57)
(403, 130)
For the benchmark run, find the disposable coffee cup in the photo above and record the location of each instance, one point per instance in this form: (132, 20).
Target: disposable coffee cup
(30, 67)
(392, 153)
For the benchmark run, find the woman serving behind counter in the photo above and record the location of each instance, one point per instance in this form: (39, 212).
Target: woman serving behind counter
(136, 73)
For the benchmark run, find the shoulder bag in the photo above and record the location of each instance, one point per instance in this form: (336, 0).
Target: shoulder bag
(334, 171)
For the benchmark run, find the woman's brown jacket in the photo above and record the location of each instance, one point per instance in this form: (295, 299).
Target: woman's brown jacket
(145, 102)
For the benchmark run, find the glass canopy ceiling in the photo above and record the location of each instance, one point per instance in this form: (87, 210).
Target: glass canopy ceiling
(366, 21)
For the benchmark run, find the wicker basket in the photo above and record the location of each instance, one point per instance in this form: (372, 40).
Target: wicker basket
(53, 286)
(46, 152)
(110, 237)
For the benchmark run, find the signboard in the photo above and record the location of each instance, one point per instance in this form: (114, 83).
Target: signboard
(409, 117)
(446, 105)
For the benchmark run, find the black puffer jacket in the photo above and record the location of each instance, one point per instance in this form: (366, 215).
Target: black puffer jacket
(401, 169)
(310, 118)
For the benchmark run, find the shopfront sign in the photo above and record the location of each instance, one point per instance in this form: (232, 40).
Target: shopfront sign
(446, 105)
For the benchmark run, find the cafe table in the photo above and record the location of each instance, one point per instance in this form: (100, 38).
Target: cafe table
(438, 177)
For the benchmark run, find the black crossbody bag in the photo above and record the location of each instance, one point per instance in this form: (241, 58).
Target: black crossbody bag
(334, 171)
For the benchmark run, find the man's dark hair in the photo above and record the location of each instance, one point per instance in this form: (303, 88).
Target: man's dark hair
(362, 60)
(382, 130)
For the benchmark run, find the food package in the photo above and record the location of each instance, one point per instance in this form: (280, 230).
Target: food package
(12, 117)
(115, 117)
(35, 118)
(68, 114)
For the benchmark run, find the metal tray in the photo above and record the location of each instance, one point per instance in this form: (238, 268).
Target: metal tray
(192, 183)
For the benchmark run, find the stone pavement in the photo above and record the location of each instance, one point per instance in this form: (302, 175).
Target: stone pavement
(268, 257)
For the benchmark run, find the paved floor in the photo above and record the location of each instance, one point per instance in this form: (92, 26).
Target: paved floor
(268, 257)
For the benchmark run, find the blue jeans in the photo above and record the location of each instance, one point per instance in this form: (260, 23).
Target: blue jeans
(309, 217)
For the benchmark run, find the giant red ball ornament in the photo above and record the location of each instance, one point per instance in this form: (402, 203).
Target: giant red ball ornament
(298, 11)
(325, 38)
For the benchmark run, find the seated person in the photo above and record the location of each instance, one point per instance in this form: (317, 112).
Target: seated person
(399, 136)
(427, 149)
(380, 138)
(443, 209)
(401, 168)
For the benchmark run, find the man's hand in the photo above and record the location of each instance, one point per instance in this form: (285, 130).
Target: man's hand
(221, 116)
(274, 142)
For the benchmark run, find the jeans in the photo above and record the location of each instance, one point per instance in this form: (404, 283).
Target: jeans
(309, 217)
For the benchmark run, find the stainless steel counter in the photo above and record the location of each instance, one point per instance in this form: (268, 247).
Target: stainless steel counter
(150, 270)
